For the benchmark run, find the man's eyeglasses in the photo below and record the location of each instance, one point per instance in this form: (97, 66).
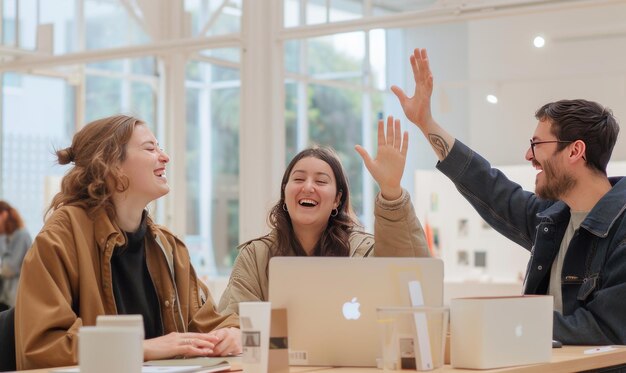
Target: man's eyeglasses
(533, 143)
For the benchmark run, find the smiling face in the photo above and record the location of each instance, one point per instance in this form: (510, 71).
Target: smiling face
(311, 193)
(144, 166)
(553, 180)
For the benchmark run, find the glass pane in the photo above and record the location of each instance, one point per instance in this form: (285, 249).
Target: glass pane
(291, 120)
(30, 175)
(222, 74)
(193, 159)
(228, 22)
(316, 12)
(225, 153)
(214, 17)
(344, 10)
(194, 71)
(9, 22)
(226, 54)
(291, 13)
(378, 58)
(61, 14)
(292, 55)
(202, 73)
(199, 14)
(28, 24)
(102, 97)
(12, 80)
(143, 102)
(395, 6)
(337, 57)
(335, 119)
(109, 25)
(113, 65)
(144, 66)
(212, 168)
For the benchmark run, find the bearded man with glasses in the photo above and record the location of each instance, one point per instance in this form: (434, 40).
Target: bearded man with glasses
(573, 225)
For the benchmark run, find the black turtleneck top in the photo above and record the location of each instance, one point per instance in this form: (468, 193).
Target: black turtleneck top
(132, 285)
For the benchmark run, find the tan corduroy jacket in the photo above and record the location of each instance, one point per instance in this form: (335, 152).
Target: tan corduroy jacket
(397, 232)
(66, 283)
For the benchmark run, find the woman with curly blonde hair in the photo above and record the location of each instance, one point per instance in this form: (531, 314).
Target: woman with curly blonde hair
(100, 253)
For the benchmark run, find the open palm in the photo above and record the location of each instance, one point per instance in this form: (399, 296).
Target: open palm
(388, 166)
(417, 108)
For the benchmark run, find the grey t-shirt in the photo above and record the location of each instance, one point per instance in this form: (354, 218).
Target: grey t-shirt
(575, 220)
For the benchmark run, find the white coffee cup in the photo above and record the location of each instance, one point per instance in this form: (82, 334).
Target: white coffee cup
(106, 349)
(254, 320)
(135, 321)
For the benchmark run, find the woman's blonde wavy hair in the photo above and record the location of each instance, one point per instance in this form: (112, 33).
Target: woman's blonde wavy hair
(97, 151)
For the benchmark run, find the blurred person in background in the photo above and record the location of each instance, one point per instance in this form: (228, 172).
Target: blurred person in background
(14, 242)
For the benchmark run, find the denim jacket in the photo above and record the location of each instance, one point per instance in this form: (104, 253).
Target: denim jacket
(594, 269)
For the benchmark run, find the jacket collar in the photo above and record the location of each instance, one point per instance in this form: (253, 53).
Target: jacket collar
(608, 209)
(602, 216)
(105, 230)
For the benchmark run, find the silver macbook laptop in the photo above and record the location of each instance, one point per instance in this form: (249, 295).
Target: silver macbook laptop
(331, 303)
(495, 332)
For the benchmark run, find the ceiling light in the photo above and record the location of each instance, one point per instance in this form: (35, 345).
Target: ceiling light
(492, 99)
(539, 42)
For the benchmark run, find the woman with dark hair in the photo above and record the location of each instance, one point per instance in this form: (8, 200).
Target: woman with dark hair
(314, 216)
(14, 242)
(100, 253)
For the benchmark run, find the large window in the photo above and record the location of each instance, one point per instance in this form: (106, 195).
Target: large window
(88, 88)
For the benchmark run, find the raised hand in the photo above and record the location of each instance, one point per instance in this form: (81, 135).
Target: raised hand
(388, 166)
(417, 108)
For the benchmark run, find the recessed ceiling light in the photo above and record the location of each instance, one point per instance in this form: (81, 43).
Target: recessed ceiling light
(492, 99)
(539, 42)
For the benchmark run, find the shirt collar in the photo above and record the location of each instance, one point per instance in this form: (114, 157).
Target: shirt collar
(602, 216)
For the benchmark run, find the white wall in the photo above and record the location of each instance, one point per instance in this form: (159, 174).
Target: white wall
(583, 58)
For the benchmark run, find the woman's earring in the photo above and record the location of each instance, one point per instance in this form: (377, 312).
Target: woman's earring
(284, 206)
(334, 213)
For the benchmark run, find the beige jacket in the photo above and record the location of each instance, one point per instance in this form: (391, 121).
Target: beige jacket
(397, 232)
(66, 283)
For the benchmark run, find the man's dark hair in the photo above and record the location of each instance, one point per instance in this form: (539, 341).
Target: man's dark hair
(583, 120)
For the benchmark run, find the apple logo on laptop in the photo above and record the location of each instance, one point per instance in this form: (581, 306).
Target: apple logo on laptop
(519, 330)
(351, 310)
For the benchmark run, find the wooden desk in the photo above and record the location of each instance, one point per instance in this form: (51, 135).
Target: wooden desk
(566, 359)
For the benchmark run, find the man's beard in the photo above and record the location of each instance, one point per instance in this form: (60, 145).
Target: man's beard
(556, 183)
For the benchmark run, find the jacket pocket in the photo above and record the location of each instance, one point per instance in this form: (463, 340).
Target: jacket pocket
(588, 286)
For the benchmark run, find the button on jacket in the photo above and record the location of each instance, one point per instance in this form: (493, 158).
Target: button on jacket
(594, 269)
(66, 283)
